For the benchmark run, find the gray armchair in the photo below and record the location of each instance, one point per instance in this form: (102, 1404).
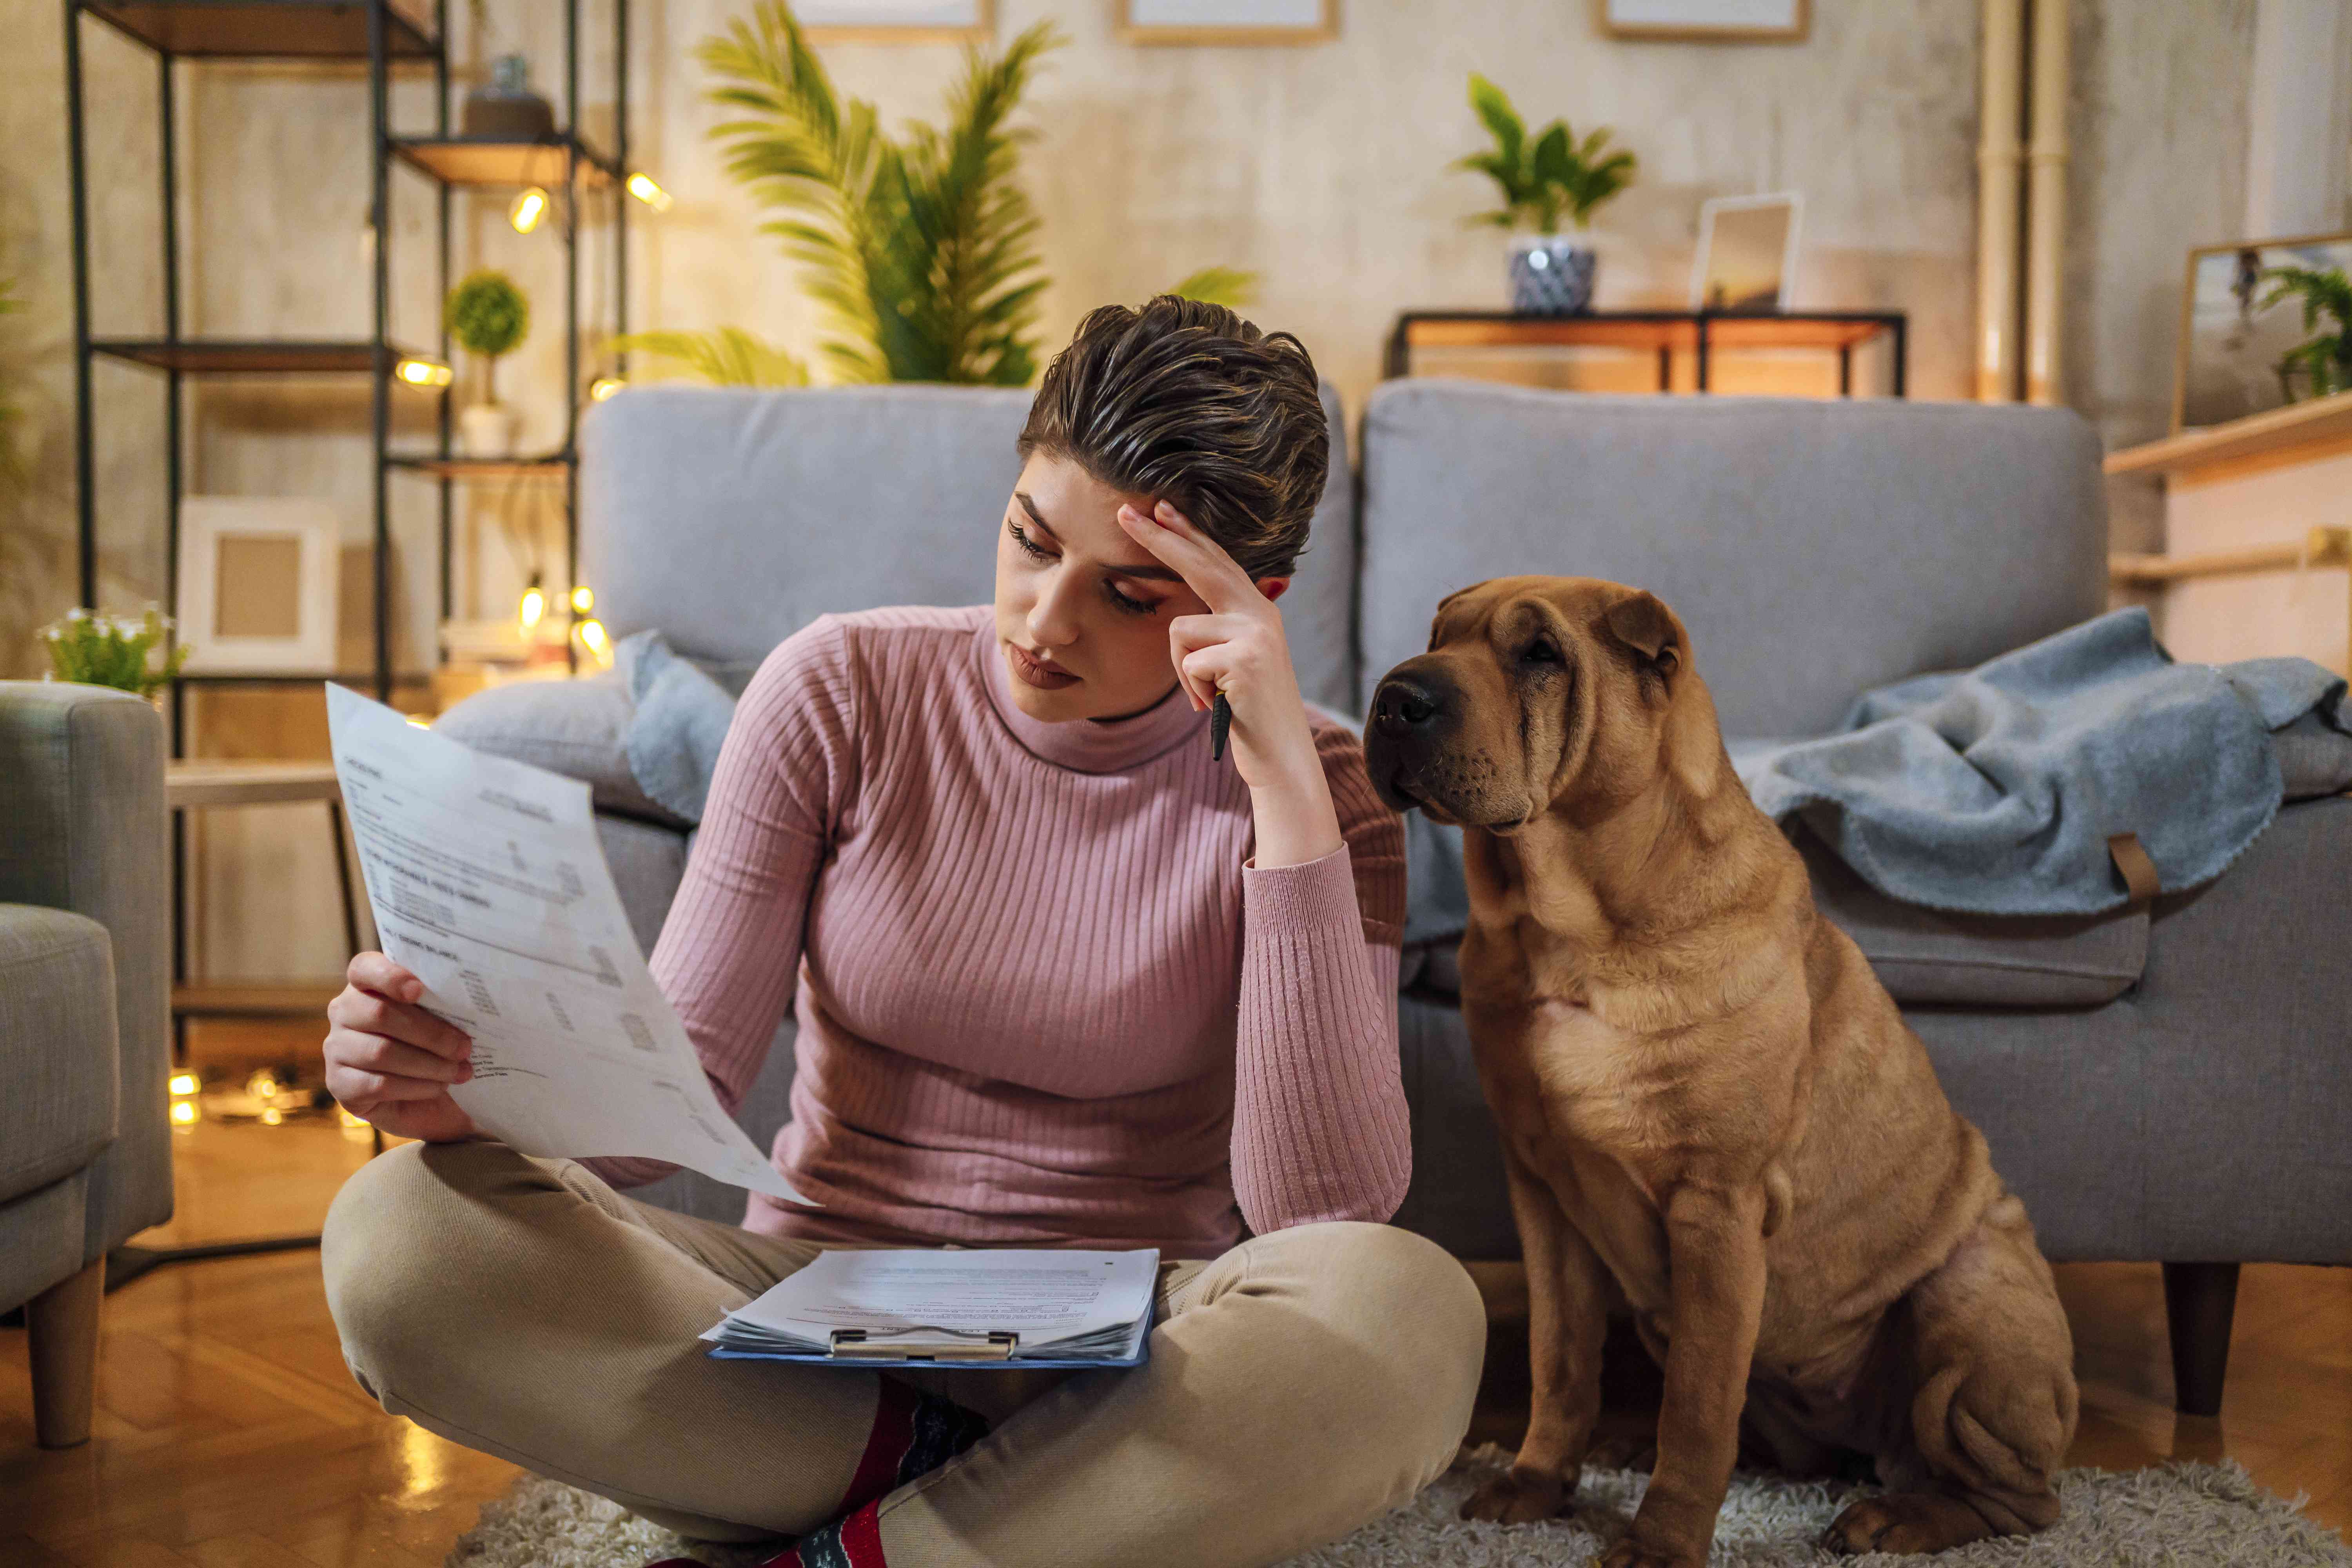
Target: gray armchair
(85, 992)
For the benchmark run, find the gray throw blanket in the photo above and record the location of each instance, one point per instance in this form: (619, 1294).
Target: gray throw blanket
(1995, 790)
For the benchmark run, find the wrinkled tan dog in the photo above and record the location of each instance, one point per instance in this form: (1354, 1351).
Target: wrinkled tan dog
(1707, 1097)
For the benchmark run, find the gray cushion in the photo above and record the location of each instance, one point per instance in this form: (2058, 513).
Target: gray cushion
(1981, 961)
(728, 518)
(1919, 955)
(83, 828)
(1814, 549)
(57, 1056)
(576, 728)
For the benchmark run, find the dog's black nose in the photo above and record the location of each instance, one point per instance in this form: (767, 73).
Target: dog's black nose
(1402, 704)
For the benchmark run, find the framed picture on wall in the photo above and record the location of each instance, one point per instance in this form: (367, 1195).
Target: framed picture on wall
(2228, 362)
(1223, 22)
(897, 21)
(1746, 252)
(257, 585)
(1705, 21)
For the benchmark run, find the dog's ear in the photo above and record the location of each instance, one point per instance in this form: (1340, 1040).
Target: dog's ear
(1438, 615)
(1644, 624)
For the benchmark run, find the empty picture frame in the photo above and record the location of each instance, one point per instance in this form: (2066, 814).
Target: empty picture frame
(1746, 252)
(257, 585)
(2230, 347)
(1227, 21)
(897, 21)
(1705, 21)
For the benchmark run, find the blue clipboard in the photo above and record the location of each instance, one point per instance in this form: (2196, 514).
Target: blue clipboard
(980, 1364)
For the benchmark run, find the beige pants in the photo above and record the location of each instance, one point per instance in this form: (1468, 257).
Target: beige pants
(1298, 1385)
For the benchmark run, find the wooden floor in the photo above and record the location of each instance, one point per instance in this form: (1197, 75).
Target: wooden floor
(230, 1436)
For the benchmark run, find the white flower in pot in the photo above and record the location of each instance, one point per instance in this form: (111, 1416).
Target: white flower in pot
(1543, 179)
(489, 317)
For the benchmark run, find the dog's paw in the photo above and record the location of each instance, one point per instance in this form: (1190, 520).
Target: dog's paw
(1903, 1522)
(1515, 1496)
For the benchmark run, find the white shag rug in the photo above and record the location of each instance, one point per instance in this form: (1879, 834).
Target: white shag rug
(2179, 1515)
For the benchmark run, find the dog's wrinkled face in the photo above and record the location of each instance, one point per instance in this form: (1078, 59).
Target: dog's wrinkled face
(1536, 692)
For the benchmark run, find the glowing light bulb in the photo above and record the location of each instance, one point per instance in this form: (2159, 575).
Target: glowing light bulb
(271, 1116)
(584, 599)
(185, 1083)
(528, 209)
(533, 606)
(604, 386)
(183, 1111)
(591, 633)
(423, 373)
(642, 186)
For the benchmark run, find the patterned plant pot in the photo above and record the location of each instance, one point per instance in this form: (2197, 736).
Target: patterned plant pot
(1551, 275)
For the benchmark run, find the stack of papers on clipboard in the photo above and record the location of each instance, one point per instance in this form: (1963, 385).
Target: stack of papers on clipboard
(954, 1307)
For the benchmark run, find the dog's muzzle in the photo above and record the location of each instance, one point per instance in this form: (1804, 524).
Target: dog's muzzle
(1414, 714)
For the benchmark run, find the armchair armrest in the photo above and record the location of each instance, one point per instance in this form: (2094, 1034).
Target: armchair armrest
(85, 832)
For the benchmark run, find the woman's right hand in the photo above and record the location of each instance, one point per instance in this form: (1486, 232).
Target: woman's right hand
(392, 1062)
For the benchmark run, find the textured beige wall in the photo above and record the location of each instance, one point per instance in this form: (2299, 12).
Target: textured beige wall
(1323, 168)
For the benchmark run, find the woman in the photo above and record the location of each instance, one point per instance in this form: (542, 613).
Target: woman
(1062, 979)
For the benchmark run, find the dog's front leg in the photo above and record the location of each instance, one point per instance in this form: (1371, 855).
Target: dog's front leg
(1715, 1249)
(1567, 1321)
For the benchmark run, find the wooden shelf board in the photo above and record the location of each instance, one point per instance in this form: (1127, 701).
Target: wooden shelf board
(548, 470)
(2322, 420)
(294, 1000)
(1641, 330)
(265, 30)
(264, 357)
(467, 160)
(188, 785)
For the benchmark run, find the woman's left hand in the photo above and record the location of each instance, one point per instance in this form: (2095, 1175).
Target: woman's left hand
(1239, 649)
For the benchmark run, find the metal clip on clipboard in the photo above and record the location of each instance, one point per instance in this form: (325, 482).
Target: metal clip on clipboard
(850, 1344)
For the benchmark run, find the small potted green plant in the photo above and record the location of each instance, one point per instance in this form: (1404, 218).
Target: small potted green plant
(489, 317)
(114, 651)
(1544, 178)
(2323, 365)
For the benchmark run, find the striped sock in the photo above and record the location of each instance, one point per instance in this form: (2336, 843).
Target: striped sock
(853, 1540)
(913, 1433)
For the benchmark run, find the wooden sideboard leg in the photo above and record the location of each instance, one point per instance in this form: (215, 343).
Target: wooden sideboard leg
(61, 1325)
(2199, 1300)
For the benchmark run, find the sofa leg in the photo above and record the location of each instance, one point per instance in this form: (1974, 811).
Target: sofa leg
(2199, 1299)
(61, 1325)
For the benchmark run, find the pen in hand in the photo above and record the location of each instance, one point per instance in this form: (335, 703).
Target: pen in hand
(1221, 719)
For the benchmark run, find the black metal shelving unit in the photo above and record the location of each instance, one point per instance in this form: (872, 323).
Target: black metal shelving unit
(384, 36)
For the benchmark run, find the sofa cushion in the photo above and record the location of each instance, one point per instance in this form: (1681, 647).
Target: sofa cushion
(58, 1053)
(729, 518)
(577, 727)
(1815, 549)
(1921, 956)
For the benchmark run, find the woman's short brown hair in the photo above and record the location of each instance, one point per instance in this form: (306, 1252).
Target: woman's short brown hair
(1188, 403)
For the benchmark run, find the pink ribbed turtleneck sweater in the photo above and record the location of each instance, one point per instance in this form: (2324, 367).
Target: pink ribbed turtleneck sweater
(1043, 996)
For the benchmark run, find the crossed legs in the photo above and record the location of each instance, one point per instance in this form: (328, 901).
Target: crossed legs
(1301, 1384)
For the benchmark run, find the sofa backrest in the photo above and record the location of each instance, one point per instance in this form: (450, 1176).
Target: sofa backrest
(1813, 548)
(729, 518)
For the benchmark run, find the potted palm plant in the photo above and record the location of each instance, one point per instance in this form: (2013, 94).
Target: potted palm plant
(1544, 178)
(489, 317)
(2323, 364)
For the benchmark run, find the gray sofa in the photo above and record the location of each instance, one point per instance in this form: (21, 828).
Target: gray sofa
(85, 988)
(2169, 1084)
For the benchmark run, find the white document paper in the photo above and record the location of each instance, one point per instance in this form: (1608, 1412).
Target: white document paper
(1065, 1301)
(488, 884)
